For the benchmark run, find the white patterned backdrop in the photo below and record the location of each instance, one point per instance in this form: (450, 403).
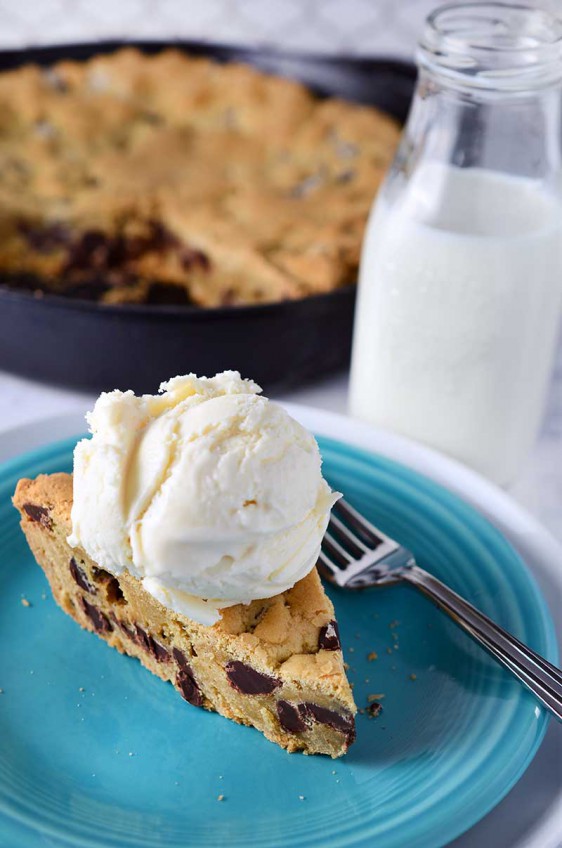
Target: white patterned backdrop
(365, 27)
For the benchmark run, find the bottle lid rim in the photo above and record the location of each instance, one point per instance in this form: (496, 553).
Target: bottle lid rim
(494, 45)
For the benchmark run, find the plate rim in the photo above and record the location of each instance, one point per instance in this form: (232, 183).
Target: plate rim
(11, 468)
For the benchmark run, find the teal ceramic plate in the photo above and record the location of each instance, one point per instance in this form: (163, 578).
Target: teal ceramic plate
(97, 752)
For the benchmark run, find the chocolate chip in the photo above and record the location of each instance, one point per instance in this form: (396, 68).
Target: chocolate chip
(329, 637)
(142, 637)
(292, 716)
(344, 149)
(339, 721)
(122, 625)
(191, 258)
(163, 294)
(54, 80)
(188, 687)
(100, 621)
(152, 118)
(345, 177)
(81, 578)
(309, 184)
(160, 236)
(39, 514)
(150, 645)
(95, 250)
(44, 129)
(45, 239)
(90, 251)
(374, 709)
(248, 681)
(127, 249)
(295, 718)
(159, 652)
(180, 658)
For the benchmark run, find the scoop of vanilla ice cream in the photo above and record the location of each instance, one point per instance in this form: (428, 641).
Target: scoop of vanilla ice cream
(208, 493)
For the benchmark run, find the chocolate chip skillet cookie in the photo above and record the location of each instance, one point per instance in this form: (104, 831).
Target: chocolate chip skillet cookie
(173, 179)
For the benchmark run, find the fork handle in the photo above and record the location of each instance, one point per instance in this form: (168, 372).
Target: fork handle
(537, 674)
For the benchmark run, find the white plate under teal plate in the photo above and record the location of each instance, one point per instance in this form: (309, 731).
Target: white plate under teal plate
(97, 752)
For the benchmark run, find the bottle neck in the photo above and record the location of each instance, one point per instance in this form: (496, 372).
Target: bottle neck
(519, 133)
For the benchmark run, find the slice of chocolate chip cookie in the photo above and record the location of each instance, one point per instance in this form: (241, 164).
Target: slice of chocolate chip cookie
(275, 664)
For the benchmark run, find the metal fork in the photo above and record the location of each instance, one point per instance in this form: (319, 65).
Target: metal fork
(356, 555)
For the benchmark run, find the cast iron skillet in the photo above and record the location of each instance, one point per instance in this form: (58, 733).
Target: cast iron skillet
(83, 345)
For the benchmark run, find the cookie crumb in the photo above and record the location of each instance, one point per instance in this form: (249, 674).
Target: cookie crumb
(374, 709)
(372, 656)
(377, 697)
(413, 677)
(301, 797)
(220, 797)
(346, 666)
(81, 689)
(394, 624)
(389, 650)
(25, 602)
(131, 754)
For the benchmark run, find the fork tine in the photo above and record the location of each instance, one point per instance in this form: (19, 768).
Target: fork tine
(334, 548)
(347, 536)
(360, 524)
(326, 567)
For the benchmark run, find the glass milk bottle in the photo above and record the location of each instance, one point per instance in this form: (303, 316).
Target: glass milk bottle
(460, 289)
